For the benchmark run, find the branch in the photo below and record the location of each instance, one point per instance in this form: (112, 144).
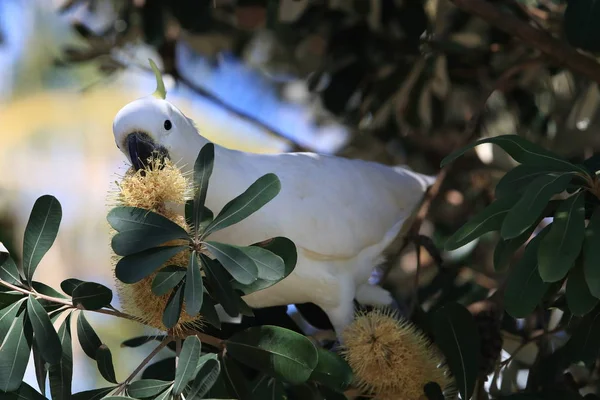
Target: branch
(561, 52)
(211, 340)
(144, 362)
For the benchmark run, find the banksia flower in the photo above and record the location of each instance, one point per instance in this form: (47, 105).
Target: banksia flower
(157, 187)
(391, 358)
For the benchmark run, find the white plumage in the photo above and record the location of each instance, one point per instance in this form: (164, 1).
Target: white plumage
(340, 213)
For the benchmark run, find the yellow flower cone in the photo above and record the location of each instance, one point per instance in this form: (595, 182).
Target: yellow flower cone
(391, 358)
(154, 188)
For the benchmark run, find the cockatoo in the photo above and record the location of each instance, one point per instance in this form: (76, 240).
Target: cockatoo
(340, 213)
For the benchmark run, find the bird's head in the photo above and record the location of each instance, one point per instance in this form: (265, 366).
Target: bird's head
(152, 126)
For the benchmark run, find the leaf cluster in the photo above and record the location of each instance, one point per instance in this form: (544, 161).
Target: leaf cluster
(258, 362)
(546, 208)
(217, 273)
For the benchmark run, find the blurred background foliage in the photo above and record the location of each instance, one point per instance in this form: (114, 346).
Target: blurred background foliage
(396, 81)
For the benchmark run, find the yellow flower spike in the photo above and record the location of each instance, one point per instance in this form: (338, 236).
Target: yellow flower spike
(391, 358)
(153, 188)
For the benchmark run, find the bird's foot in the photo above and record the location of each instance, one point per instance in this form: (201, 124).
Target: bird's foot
(373, 295)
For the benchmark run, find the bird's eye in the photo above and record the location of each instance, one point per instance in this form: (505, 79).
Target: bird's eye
(168, 125)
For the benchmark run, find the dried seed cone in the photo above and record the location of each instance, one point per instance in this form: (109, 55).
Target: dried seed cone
(488, 317)
(391, 358)
(153, 188)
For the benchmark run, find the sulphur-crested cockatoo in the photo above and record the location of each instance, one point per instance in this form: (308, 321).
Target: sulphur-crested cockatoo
(340, 213)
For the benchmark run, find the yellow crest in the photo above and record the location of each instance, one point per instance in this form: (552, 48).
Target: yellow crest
(160, 92)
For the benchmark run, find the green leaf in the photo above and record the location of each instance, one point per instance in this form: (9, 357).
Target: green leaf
(173, 307)
(262, 191)
(24, 392)
(95, 394)
(531, 205)
(41, 372)
(219, 282)
(7, 316)
(134, 268)
(166, 395)
(116, 398)
(561, 246)
(206, 376)
(241, 267)
(524, 152)
(68, 285)
(14, 354)
(579, 27)
(188, 360)
(9, 272)
(280, 352)
(270, 266)
(61, 374)
(307, 391)
(88, 340)
(284, 248)
(92, 296)
(584, 344)
(517, 179)
(47, 290)
(3, 253)
(579, 298)
(45, 335)
(6, 299)
(207, 217)
(147, 388)
(266, 388)
(433, 391)
(591, 253)
(163, 370)
(194, 290)
(330, 394)
(525, 288)
(203, 168)
(235, 381)
(208, 311)
(139, 229)
(489, 219)
(141, 340)
(40, 232)
(167, 278)
(505, 249)
(457, 336)
(332, 371)
(105, 363)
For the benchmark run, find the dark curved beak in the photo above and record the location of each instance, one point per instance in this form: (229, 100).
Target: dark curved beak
(141, 147)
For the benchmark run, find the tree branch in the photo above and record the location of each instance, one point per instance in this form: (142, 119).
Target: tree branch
(560, 52)
(144, 362)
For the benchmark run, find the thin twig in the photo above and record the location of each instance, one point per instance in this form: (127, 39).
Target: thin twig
(144, 362)
(528, 341)
(500, 84)
(415, 295)
(560, 52)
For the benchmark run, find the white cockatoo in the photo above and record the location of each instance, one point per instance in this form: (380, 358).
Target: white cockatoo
(340, 213)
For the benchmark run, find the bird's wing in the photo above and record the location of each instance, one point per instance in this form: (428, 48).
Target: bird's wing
(335, 207)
